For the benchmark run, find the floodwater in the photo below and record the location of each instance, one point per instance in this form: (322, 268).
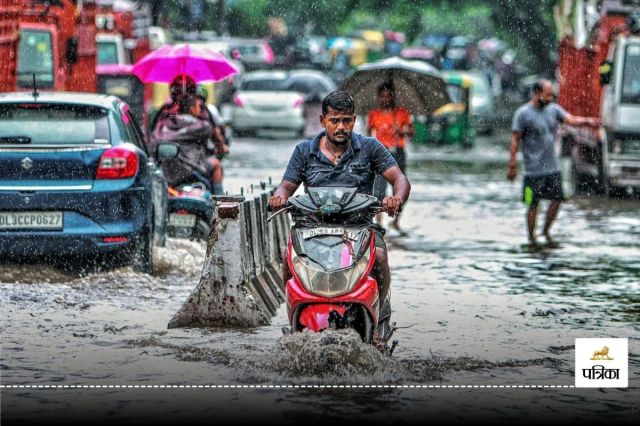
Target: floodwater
(479, 309)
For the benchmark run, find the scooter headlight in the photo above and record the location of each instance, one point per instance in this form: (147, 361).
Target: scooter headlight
(329, 283)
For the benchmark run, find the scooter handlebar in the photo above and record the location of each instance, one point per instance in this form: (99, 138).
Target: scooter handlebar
(279, 211)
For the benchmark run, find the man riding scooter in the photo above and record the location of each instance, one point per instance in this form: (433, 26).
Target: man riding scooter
(337, 157)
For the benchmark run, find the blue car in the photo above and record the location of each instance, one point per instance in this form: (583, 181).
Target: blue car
(76, 180)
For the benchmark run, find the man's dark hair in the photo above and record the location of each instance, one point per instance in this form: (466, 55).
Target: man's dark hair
(338, 101)
(538, 86)
(386, 86)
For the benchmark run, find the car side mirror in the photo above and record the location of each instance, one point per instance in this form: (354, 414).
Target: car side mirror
(605, 70)
(71, 52)
(167, 151)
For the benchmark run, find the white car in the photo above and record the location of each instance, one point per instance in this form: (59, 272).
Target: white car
(264, 102)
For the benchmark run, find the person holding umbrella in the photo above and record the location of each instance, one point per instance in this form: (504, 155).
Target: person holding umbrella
(406, 88)
(391, 125)
(184, 65)
(186, 121)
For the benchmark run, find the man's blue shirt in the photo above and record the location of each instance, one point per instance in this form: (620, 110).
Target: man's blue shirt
(356, 169)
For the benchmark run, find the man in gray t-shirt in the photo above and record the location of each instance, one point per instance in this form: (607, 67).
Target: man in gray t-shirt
(534, 126)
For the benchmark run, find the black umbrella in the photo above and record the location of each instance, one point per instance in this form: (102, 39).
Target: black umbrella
(419, 87)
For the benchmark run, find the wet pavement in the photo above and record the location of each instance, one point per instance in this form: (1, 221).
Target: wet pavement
(480, 309)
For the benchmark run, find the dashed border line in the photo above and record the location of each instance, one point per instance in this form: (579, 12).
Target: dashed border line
(286, 386)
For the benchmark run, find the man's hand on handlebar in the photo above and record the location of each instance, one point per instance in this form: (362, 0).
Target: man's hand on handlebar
(392, 205)
(278, 202)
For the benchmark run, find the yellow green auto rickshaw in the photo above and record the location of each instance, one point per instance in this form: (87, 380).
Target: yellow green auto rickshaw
(451, 123)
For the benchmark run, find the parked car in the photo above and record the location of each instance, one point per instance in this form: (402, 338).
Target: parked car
(254, 54)
(77, 180)
(277, 99)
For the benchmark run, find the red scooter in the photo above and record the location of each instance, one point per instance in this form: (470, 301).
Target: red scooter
(331, 254)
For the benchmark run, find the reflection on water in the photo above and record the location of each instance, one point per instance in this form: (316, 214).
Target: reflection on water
(480, 308)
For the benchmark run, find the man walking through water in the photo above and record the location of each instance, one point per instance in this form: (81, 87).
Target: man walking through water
(534, 125)
(339, 157)
(391, 125)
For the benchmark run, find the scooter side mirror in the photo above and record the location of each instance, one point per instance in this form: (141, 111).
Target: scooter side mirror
(168, 151)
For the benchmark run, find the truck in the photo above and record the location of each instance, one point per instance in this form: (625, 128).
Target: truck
(122, 31)
(51, 42)
(122, 39)
(599, 76)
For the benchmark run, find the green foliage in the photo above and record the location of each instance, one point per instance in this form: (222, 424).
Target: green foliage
(530, 22)
(247, 18)
(526, 24)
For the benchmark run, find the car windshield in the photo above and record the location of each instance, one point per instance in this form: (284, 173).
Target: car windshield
(107, 52)
(631, 76)
(53, 124)
(250, 51)
(35, 56)
(263, 84)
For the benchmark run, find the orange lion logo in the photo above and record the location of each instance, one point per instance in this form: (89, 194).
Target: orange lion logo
(601, 354)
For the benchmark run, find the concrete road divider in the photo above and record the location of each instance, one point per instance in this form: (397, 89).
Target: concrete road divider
(241, 283)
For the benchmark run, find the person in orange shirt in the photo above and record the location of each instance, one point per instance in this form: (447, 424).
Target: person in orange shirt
(391, 125)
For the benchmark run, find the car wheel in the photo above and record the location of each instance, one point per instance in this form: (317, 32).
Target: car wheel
(160, 234)
(142, 256)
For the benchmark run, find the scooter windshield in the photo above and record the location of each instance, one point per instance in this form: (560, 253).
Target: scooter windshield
(331, 248)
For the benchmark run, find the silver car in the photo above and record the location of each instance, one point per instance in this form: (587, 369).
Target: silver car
(277, 100)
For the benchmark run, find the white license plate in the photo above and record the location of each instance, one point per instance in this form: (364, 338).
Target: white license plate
(31, 220)
(182, 220)
(310, 233)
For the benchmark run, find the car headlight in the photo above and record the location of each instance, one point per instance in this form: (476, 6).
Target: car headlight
(329, 283)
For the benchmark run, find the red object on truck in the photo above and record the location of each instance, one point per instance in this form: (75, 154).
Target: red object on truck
(54, 40)
(580, 87)
(602, 79)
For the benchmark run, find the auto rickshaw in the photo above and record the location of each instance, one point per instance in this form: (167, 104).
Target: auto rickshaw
(451, 123)
(355, 48)
(374, 41)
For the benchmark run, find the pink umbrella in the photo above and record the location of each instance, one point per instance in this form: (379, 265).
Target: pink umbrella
(198, 62)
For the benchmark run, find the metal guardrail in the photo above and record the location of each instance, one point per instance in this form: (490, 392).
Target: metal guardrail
(241, 283)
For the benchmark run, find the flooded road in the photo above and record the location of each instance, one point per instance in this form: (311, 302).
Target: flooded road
(481, 309)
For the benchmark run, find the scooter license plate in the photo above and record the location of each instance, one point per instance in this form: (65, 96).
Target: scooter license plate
(310, 233)
(182, 220)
